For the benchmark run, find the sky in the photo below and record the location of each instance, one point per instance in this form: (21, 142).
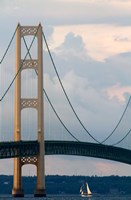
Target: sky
(90, 41)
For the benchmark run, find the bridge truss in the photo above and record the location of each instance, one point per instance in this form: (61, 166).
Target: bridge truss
(26, 149)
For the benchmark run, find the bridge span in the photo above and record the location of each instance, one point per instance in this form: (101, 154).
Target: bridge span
(26, 149)
(88, 149)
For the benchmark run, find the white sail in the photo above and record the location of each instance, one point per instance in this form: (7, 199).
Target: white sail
(81, 190)
(88, 189)
(85, 192)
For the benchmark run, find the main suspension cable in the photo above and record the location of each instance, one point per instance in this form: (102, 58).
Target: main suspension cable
(118, 122)
(122, 138)
(72, 106)
(59, 117)
(50, 100)
(19, 67)
(9, 45)
(66, 93)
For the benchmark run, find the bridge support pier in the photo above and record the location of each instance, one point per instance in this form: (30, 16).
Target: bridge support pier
(17, 190)
(17, 193)
(40, 193)
(40, 185)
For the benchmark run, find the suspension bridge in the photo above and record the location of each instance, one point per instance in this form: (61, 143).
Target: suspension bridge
(33, 151)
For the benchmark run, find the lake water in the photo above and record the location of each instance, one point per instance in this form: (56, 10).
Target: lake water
(68, 197)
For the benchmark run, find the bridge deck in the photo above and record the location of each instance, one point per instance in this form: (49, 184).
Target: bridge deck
(31, 148)
(88, 149)
(18, 149)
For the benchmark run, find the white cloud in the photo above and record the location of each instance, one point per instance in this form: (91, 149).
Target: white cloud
(119, 92)
(87, 82)
(100, 40)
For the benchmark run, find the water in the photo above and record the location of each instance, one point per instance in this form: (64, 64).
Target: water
(68, 197)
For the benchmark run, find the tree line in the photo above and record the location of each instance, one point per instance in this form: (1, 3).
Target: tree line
(56, 184)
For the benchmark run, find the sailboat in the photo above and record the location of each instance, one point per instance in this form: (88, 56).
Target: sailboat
(85, 191)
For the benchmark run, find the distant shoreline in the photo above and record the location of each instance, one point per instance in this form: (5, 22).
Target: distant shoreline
(70, 185)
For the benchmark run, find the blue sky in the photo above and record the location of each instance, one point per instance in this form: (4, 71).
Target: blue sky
(91, 45)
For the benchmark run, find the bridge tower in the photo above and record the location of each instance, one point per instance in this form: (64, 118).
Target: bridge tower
(22, 103)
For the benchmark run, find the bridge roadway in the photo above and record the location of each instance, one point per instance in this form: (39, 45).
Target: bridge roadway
(31, 148)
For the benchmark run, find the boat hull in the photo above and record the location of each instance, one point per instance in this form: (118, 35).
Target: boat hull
(86, 195)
